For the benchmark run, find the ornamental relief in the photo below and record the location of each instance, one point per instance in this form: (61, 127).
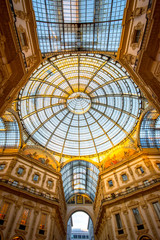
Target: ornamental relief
(139, 11)
(127, 177)
(135, 43)
(23, 172)
(21, 14)
(38, 177)
(4, 164)
(49, 183)
(23, 38)
(130, 59)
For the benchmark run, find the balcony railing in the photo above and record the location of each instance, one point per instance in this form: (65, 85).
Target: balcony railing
(131, 190)
(29, 190)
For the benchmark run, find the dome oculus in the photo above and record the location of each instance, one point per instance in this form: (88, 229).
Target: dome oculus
(79, 104)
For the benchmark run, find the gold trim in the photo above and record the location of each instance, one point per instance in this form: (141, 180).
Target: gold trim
(140, 27)
(39, 177)
(22, 30)
(136, 170)
(5, 163)
(23, 173)
(52, 184)
(127, 175)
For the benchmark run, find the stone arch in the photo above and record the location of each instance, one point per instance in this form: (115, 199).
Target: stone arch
(20, 236)
(86, 209)
(145, 237)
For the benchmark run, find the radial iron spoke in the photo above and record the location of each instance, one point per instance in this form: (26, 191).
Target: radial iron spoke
(42, 96)
(49, 83)
(116, 95)
(36, 129)
(56, 129)
(103, 64)
(65, 138)
(91, 136)
(108, 82)
(41, 109)
(61, 74)
(115, 108)
(115, 124)
(101, 128)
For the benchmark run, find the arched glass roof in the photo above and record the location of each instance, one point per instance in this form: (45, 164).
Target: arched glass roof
(79, 25)
(79, 104)
(79, 177)
(150, 130)
(9, 132)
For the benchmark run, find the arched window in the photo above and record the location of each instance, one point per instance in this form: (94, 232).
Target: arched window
(18, 238)
(79, 177)
(144, 237)
(150, 130)
(9, 132)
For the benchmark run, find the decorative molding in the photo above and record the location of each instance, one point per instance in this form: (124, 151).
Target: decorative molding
(136, 170)
(139, 11)
(130, 59)
(155, 163)
(39, 177)
(21, 14)
(23, 173)
(5, 163)
(124, 173)
(51, 185)
(31, 60)
(140, 27)
(22, 30)
(16, 1)
(133, 203)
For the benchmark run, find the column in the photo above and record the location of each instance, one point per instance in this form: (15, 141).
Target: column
(13, 217)
(36, 212)
(128, 224)
(151, 224)
(51, 235)
(110, 229)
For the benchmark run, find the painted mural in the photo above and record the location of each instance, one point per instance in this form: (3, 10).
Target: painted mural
(40, 155)
(118, 155)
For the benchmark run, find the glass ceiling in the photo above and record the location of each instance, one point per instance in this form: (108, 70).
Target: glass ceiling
(150, 130)
(79, 25)
(79, 104)
(9, 132)
(79, 177)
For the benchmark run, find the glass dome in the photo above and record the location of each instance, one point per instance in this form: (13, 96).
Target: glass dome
(79, 104)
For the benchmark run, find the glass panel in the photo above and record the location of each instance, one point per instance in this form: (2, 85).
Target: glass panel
(9, 132)
(20, 170)
(150, 130)
(118, 220)
(156, 206)
(79, 177)
(24, 216)
(80, 104)
(137, 216)
(79, 24)
(4, 210)
(43, 221)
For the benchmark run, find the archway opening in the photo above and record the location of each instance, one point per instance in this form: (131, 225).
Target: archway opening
(80, 226)
(17, 238)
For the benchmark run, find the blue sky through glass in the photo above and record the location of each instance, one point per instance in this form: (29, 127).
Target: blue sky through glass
(79, 24)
